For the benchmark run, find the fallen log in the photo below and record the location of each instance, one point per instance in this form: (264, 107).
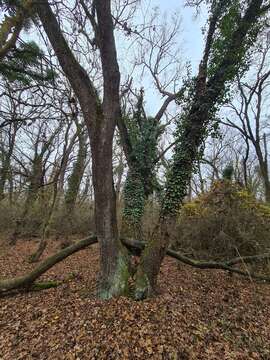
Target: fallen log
(227, 266)
(135, 247)
(248, 259)
(28, 279)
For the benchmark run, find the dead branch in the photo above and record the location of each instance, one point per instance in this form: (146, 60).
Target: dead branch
(227, 266)
(135, 247)
(28, 279)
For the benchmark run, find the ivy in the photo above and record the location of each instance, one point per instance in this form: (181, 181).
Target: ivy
(144, 133)
(134, 198)
(233, 40)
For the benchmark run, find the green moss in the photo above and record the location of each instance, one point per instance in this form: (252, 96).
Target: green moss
(142, 285)
(45, 285)
(118, 284)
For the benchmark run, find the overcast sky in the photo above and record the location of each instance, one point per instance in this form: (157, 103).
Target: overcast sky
(192, 36)
(190, 42)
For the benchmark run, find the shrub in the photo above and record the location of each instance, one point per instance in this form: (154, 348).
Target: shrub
(225, 222)
(81, 222)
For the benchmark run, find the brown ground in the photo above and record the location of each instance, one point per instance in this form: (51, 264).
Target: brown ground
(199, 315)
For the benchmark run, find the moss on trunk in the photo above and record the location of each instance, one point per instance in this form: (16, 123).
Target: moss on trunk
(143, 288)
(118, 285)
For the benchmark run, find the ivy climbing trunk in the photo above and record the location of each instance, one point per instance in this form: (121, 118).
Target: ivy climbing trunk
(134, 202)
(142, 135)
(208, 91)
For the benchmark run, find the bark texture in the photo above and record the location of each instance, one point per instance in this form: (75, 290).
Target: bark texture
(100, 119)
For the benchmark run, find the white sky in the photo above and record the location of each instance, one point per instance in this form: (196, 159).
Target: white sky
(192, 36)
(190, 41)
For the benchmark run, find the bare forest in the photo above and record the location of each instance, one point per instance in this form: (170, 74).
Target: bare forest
(134, 179)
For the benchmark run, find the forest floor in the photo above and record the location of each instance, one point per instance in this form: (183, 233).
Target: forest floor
(198, 315)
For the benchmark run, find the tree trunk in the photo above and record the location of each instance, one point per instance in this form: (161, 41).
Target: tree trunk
(151, 260)
(47, 221)
(101, 121)
(76, 176)
(36, 181)
(264, 173)
(4, 175)
(63, 166)
(6, 164)
(189, 136)
(114, 260)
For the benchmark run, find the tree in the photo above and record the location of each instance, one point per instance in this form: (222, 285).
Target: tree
(20, 60)
(100, 118)
(232, 29)
(7, 155)
(246, 116)
(75, 178)
(42, 150)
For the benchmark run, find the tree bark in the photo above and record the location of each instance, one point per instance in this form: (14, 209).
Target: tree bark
(6, 163)
(101, 121)
(74, 182)
(29, 279)
(47, 221)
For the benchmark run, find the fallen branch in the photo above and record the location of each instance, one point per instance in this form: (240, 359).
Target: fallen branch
(28, 279)
(135, 247)
(45, 285)
(248, 259)
(227, 266)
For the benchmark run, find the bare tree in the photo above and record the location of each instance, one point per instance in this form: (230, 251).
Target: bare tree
(100, 118)
(249, 114)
